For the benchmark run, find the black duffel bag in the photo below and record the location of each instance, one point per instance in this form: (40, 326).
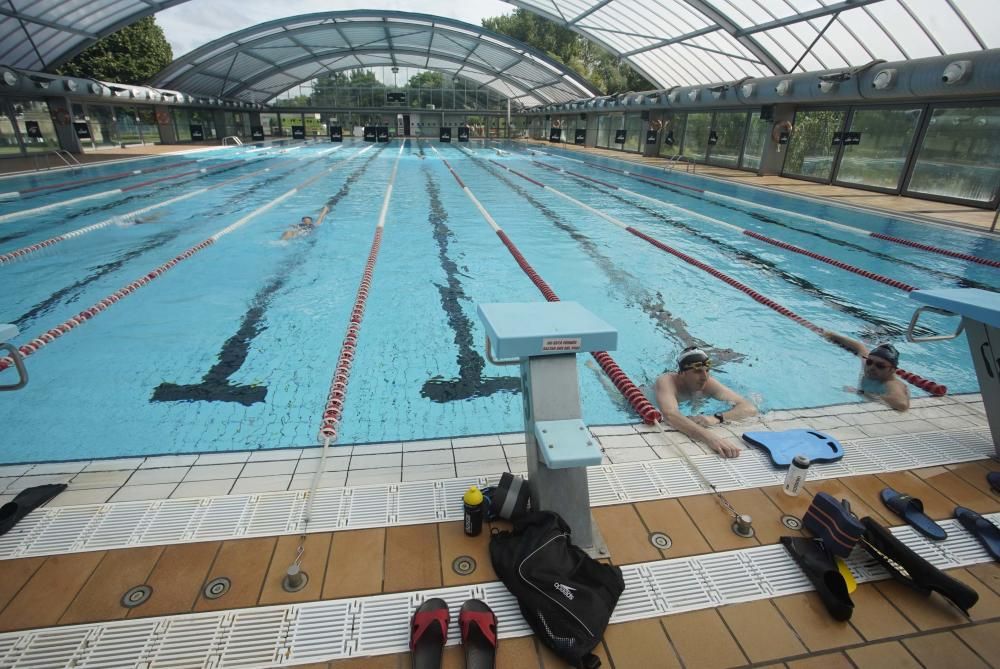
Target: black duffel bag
(565, 595)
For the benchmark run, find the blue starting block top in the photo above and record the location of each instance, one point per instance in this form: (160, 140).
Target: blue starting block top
(566, 443)
(524, 329)
(972, 303)
(7, 332)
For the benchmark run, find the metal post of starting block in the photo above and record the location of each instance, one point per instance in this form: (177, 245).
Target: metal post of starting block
(544, 338)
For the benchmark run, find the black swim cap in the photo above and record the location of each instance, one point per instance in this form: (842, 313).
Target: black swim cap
(887, 352)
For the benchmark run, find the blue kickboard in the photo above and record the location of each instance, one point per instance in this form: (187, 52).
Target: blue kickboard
(784, 446)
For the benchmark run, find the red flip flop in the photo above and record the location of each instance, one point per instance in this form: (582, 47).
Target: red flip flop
(429, 633)
(478, 624)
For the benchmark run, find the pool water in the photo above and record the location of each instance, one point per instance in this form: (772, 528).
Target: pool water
(235, 347)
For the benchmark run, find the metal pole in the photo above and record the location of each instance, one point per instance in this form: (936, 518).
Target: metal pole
(508, 133)
(993, 228)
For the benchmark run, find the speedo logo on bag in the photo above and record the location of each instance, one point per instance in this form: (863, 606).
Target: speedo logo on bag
(565, 590)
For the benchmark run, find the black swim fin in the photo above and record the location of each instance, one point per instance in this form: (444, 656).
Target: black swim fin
(26, 501)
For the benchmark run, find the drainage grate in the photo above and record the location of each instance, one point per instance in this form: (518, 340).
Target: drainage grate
(74, 529)
(331, 630)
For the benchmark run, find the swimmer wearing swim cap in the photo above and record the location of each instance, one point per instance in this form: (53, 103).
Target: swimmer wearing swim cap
(691, 381)
(878, 372)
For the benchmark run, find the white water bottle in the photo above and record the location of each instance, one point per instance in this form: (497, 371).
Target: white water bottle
(796, 475)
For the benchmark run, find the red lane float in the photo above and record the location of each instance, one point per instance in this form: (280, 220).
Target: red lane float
(915, 379)
(830, 261)
(109, 177)
(934, 249)
(178, 176)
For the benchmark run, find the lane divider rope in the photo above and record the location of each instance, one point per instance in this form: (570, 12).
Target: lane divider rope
(650, 415)
(90, 312)
(83, 182)
(914, 379)
(935, 249)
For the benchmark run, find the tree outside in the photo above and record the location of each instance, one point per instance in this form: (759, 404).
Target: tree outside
(130, 56)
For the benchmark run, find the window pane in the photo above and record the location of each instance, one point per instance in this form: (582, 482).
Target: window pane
(670, 135)
(729, 128)
(696, 135)
(33, 120)
(958, 157)
(886, 136)
(8, 138)
(634, 132)
(603, 130)
(182, 124)
(758, 133)
(810, 149)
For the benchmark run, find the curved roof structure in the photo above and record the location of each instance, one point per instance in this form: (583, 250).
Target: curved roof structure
(262, 61)
(689, 42)
(42, 34)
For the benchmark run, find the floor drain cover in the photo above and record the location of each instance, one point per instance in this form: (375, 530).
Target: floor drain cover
(217, 587)
(791, 522)
(660, 540)
(463, 565)
(136, 596)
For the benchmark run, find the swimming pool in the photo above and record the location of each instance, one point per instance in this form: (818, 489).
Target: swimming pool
(234, 347)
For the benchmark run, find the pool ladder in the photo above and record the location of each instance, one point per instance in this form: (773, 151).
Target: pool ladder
(236, 140)
(65, 156)
(675, 160)
(8, 332)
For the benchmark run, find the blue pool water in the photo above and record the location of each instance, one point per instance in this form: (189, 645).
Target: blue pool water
(235, 347)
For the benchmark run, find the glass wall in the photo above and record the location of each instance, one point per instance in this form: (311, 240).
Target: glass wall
(149, 129)
(103, 126)
(635, 132)
(758, 133)
(8, 137)
(729, 128)
(958, 155)
(810, 148)
(604, 134)
(696, 131)
(38, 132)
(127, 125)
(877, 156)
(182, 124)
(673, 129)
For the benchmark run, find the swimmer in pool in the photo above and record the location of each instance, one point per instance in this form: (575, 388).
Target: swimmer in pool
(305, 226)
(878, 372)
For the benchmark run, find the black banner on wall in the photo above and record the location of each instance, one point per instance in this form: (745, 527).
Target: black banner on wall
(581, 136)
(852, 138)
(82, 130)
(555, 135)
(651, 136)
(33, 129)
(298, 132)
(837, 138)
(382, 133)
(371, 134)
(197, 133)
(463, 133)
(783, 138)
(257, 132)
(445, 134)
(713, 138)
(620, 136)
(336, 133)
(669, 139)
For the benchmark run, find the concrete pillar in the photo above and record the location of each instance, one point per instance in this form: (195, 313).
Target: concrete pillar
(168, 133)
(773, 156)
(220, 123)
(591, 131)
(653, 149)
(60, 108)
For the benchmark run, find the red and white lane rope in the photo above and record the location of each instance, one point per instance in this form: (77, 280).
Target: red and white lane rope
(7, 258)
(650, 415)
(83, 182)
(914, 379)
(14, 215)
(90, 312)
(749, 233)
(934, 249)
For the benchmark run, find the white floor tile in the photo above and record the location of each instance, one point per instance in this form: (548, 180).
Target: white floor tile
(82, 497)
(59, 468)
(334, 451)
(373, 476)
(5, 498)
(428, 472)
(328, 480)
(114, 465)
(163, 461)
(479, 453)
(628, 441)
(376, 461)
(203, 488)
(163, 475)
(223, 458)
(211, 472)
(512, 438)
(480, 467)
(472, 442)
(333, 464)
(426, 445)
(99, 479)
(15, 470)
(619, 455)
(262, 484)
(423, 458)
(611, 430)
(132, 493)
(378, 449)
(268, 468)
(514, 450)
(517, 465)
(26, 482)
(6, 481)
(275, 454)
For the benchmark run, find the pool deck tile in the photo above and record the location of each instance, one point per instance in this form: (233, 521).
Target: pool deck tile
(276, 454)
(429, 458)
(428, 472)
(262, 484)
(203, 488)
(213, 472)
(472, 442)
(101, 479)
(114, 465)
(378, 461)
(48, 468)
(271, 468)
(479, 453)
(162, 475)
(882, 655)
(133, 493)
(480, 467)
(620, 455)
(944, 650)
(426, 445)
(515, 450)
(338, 463)
(161, 461)
(327, 480)
(223, 458)
(374, 476)
(511, 438)
(82, 496)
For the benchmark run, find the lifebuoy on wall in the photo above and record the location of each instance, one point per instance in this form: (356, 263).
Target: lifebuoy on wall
(780, 127)
(163, 118)
(656, 125)
(63, 117)
(556, 123)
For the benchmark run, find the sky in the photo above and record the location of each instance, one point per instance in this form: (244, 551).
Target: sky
(191, 24)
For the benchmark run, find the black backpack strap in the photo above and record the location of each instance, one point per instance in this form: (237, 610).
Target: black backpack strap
(589, 661)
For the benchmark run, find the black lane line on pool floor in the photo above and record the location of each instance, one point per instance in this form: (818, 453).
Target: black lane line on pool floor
(960, 281)
(632, 289)
(215, 385)
(881, 326)
(470, 382)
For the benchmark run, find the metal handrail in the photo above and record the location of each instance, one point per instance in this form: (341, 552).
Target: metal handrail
(910, 336)
(236, 140)
(68, 159)
(18, 365)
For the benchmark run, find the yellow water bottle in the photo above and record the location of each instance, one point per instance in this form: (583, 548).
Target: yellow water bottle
(473, 502)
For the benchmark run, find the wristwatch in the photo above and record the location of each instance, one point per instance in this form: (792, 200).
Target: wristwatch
(720, 417)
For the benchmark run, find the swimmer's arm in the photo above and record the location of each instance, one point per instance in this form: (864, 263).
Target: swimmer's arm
(896, 395)
(666, 398)
(742, 408)
(322, 214)
(852, 345)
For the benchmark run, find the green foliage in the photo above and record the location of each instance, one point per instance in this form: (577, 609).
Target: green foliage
(427, 80)
(575, 51)
(130, 56)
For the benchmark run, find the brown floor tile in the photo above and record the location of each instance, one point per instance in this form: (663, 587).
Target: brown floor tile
(761, 631)
(828, 661)
(988, 605)
(244, 563)
(14, 574)
(412, 560)
(882, 656)
(517, 653)
(549, 660)
(810, 619)
(625, 534)
(702, 640)
(453, 657)
(936, 505)
(943, 651)
(398, 661)
(714, 523)
(641, 644)
(177, 579)
(100, 598)
(669, 517)
(44, 598)
(985, 640)
(314, 665)
(860, 504)
(795, 506)
(355, 564)
(314, 560)
(973, 473)
(875, 617)
(960, 492)
(927, 613)
(766, 514)
(455, 543)
(988, 573)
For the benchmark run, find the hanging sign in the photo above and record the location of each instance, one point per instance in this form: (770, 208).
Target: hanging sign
(298, 132)
(370, 133)
(581, 136)
(852, 138)
(669, 139)
(33, 129)
(555, 135)
(620, 136)
(783, 138)
(197, 133)
(82, 130)
(382, 133)
(336, 133)
(837, 139)
(396, 96)
(651, 136)
(256, 132)
(445, 134)
(463, 133)
(713, 138)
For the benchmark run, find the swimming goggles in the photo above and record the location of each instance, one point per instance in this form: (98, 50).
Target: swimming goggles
(877, 365)
(701, 364)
